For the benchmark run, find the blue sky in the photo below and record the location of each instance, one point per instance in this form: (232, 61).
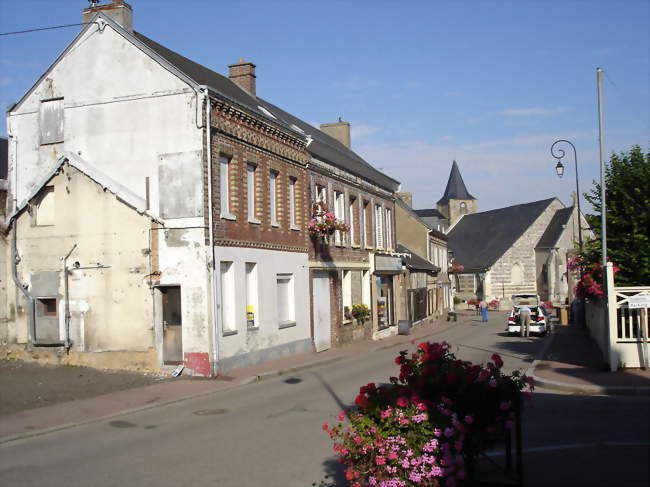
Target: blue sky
(491, 84)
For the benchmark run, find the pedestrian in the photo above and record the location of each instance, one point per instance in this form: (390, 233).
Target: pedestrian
(484, 310)
(524, 318)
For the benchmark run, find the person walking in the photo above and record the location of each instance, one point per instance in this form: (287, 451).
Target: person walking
(484, 310)
(524, 319)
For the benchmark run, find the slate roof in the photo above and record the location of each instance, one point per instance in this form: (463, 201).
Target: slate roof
(478, 240)
(4, 157)
(429, 212)
(414, 261)
(323, 147)
(455, 189)
(555, 228)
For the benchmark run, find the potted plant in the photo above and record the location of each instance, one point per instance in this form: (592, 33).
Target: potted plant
(427, 425)
(360, 312)
(324, 223)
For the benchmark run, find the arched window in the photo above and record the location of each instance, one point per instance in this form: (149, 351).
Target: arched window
(463, 208)
(517, 273)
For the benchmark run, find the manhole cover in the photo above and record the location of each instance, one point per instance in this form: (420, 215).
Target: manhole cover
(210, 412)
(293, 380)
(122, 424)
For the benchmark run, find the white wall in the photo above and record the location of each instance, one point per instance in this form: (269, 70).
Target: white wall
(269, 335)
(121, 111)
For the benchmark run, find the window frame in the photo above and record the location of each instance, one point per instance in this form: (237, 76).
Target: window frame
(273, 197)
(224, 187)
(251, 193)
(228, 298)
(293, 207)
(290, 299)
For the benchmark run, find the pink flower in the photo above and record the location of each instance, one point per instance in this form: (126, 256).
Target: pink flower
(402, 402)
(341, 415)
(449, 432)
(380, 460)
(469, 419)
(493, 383)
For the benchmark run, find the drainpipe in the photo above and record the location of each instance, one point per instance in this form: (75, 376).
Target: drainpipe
(66, 299)
(211, 264)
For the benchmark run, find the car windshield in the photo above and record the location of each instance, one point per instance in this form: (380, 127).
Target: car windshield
(525, 300)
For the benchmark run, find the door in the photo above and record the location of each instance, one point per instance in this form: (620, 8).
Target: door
(321, 307)
(172, 324)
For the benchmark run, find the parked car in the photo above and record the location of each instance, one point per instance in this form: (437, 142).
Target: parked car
(538, 320)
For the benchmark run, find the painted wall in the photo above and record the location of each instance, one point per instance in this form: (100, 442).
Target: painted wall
(110, 307)
(122, 111)
(411, 232)
(270, 340)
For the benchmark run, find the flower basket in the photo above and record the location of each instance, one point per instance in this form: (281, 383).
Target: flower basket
(324, 223)
(427, 426)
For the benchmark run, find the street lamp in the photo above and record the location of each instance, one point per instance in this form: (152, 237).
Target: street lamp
(559, 169)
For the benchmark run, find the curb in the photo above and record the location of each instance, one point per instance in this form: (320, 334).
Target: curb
(584, 389)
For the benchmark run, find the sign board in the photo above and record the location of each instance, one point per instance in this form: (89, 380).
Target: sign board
(639, 301)
(388, 264)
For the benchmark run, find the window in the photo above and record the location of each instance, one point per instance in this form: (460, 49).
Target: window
(45, 207)
(285, 300)
(517, 274)
(51, 121)
(47, 306)
(251, 187)
(338, 213)
(352, 209)
(365, 288)
(366, 222)
(252, 313)
(273, 193)
(224, 164)
(228, 317)
(389, 229)
(321, 194)
(379, 227)
(346, 298)
(292, 203)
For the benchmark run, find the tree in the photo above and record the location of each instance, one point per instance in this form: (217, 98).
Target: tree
(627, 179)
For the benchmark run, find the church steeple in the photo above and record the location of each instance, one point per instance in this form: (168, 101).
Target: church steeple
(456, 189)
(456, 201)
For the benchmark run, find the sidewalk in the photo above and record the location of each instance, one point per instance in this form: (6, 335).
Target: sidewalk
(37, 421)
(572, 362)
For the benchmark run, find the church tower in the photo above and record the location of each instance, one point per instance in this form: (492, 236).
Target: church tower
(456, 201)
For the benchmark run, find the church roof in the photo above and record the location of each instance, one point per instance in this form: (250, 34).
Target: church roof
(429, 212)
(455, 189)
(478, 240)
(555, 228)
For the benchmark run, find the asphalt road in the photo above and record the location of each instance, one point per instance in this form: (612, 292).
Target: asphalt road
(269, 433)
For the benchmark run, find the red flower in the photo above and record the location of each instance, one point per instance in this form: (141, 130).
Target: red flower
(402, 402)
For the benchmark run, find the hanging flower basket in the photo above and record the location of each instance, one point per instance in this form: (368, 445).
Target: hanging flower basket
(324, 223)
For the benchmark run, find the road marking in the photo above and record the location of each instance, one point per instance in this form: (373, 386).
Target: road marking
(539, 449)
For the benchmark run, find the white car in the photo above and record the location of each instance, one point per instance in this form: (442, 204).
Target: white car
(539, 324)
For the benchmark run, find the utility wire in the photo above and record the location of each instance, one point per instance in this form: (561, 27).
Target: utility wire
(43, 28)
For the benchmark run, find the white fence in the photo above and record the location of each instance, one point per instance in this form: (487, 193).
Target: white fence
(625, 342)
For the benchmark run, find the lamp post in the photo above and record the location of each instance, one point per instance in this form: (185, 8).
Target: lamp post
(559, 169)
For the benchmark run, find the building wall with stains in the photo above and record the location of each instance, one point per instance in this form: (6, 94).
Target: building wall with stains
(110, 300)
(118, 109)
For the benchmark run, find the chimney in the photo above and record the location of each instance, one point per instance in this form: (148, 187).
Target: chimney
(243, 75)
(406, 197)
(339, 130)
(118, 10)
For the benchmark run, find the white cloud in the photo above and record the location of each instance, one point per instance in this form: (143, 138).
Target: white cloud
(498, 173)
(359, 131)
(532, 111)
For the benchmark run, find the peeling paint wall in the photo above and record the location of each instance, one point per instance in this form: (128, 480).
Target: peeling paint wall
(110, 307)
(121, 112)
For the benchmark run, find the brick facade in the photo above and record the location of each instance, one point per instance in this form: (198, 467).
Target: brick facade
(245, 141)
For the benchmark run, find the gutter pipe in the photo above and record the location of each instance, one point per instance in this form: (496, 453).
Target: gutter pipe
(211, 263)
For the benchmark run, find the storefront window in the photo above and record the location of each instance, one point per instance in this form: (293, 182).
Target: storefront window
(385, 316)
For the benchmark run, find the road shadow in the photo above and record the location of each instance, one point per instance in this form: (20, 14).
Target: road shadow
(334, 475)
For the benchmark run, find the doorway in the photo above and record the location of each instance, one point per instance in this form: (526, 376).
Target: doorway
(385, 312)
(172, 324)
(322, 313)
